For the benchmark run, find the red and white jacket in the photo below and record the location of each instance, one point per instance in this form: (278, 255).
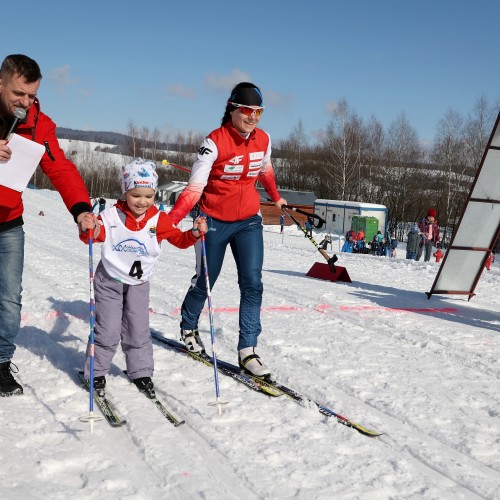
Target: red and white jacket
(165, 230)
(224, 175)
(62, 172)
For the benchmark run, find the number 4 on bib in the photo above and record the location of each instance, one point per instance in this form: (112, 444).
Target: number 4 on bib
(136, 270)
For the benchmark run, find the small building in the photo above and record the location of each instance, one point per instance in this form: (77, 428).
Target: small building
(339, 214)
(168, 193)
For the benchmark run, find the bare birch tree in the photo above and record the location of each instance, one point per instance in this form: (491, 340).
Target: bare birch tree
(403, 152)
(341, 148)
(450, 152)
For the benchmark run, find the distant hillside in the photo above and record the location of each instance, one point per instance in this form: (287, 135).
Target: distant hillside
(92, 136)
(121, 141)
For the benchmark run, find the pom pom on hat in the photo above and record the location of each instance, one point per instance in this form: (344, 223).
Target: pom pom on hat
(431, 212)
(139, 174)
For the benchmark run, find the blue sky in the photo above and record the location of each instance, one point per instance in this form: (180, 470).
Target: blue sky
(170, 65)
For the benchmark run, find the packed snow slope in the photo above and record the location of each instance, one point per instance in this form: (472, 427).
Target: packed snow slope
(423, 372)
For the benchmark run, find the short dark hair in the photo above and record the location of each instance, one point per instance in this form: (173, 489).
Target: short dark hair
(19, 64)
(234, 93)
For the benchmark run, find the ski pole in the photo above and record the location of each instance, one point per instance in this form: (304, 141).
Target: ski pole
(218, 401)
(331, 260)
(310, 215)
(166, 163)
(91, 418)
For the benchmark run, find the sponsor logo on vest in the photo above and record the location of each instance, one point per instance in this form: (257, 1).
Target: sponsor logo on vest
(257, 155)
(230, 177)
(253, 174)
(255, 164)
(131, 245)
(236, 160)
(235, 169)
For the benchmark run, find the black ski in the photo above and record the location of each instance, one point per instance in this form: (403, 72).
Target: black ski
(254, 384)
(300, 398)
(267, 384)
(171, 416)
(105, 406)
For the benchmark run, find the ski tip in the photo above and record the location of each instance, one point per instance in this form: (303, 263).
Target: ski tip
(365, 431)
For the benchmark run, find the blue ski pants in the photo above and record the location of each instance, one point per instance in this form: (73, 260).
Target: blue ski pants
(11, 274)
(247, 245)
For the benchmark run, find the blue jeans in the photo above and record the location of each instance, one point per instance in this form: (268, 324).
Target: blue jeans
(247, 245)
(11, 274)
(427, 247)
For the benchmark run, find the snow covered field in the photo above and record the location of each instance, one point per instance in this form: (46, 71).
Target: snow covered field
(424, 372)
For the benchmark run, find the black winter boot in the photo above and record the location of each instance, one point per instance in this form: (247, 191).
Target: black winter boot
(100, 386)
(8, 384)
(145, 384)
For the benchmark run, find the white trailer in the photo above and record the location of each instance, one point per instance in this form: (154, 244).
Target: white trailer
(338, 214)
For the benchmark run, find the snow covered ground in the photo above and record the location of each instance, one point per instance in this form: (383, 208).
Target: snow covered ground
(424, 372)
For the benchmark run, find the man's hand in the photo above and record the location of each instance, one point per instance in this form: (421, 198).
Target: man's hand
(5, 151)
(87, 221)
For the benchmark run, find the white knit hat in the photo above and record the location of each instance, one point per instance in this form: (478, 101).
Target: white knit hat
(139, 174)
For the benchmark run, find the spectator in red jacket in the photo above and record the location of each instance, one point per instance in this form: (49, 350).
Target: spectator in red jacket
(20, 78)
(231, 159)
(429, 232)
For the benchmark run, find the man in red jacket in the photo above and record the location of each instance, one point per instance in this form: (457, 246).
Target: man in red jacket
(19, 81)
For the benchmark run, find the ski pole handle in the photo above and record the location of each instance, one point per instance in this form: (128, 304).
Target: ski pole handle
(331, 260)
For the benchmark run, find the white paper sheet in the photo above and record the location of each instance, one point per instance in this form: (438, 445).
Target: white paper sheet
(26, 155)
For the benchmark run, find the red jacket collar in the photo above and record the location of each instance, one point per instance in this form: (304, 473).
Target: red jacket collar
(29, 123)
(32, 117)
(122, 205)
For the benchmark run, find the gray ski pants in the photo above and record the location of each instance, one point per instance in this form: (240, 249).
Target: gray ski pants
(121, 313)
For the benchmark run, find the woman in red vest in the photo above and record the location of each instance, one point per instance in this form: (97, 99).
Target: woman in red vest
(229, 162)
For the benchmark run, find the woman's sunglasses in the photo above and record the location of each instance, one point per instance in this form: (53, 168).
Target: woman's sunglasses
(248, 110)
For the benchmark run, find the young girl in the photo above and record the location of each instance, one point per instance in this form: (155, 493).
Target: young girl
(131, 232)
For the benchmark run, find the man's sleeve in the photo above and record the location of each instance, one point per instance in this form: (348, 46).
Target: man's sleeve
(62, 172)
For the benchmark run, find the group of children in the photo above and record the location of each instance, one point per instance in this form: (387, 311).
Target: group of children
(422, 238)
(131, 233)
(383, 246)
(356, 243)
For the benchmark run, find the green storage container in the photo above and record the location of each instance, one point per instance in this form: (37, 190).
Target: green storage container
(369, 225)
(356, 222)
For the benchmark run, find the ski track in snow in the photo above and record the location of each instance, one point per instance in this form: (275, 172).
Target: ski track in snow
(428, 380)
